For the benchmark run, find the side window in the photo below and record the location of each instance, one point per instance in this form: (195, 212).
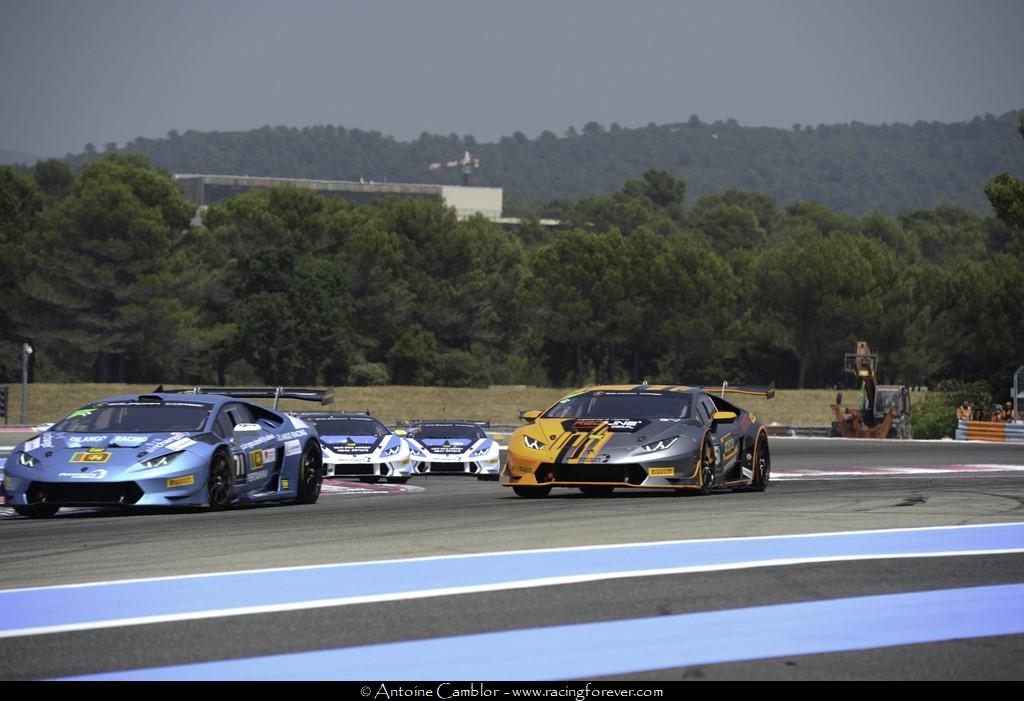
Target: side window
(223, 426)
(707, 408)
(230, 416)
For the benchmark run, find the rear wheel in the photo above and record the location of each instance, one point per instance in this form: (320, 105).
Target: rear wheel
(36, 510)
(532, 492)
(706, 459)
(311, 474)
(762, 465)
(594, 490)
(218, 488)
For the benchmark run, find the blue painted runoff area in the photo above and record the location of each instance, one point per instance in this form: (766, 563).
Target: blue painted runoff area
(30, 610)
(623, 647)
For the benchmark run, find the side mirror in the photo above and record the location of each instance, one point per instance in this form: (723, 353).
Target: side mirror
(530, 416)
(724, 416)
(244, 432)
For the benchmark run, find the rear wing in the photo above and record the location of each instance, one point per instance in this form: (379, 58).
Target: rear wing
(766, 391)
(410, 422)
(324, 396)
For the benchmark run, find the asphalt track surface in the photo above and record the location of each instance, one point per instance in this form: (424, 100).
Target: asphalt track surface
(459, 579)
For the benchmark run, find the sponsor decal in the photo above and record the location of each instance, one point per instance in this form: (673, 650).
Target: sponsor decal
(163, 442)
(625, 425)
(661, 471)
(80, 412)
(90, 456)
(293, 434)
(31, 445)
(181, 444)
(257, 476)
(130, 441)
(284, 484)
(76, 441)
(258, 441)
(185, 481)
(586, 424)
(293, 447)
(748, 474)
(47, 440)
(91, 475)
(256, 458)
(524, 470)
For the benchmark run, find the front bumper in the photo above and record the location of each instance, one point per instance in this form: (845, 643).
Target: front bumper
(673, 473)
(367, 466)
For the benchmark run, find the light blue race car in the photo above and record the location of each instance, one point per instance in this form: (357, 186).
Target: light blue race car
(176, 448)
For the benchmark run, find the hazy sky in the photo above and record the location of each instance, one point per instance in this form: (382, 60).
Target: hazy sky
(78, 71)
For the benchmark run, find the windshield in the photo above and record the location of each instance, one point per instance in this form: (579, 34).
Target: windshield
(465, 431)
(350, 426)
(622, 405)
(136, 417)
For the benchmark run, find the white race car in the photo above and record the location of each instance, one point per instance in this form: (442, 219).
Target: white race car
(361, 446)
(452, 448)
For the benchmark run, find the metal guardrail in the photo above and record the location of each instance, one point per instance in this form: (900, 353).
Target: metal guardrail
(991, 431)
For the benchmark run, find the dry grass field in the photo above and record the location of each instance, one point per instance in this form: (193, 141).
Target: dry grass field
(499, 405)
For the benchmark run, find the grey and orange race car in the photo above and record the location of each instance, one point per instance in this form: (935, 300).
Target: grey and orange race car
(669, 437)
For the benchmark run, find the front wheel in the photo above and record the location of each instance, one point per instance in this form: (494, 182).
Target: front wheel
(532, 492)
(311, 474)
(36, 510)
(218, 488)
(762, 465)
(707, 466)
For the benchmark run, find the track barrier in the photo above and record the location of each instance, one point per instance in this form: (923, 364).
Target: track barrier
(991, 431)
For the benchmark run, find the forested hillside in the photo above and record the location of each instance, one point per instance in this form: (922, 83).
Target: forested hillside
(854, 168)
(110, 283)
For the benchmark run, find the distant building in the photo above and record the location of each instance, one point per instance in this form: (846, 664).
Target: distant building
(466, 201)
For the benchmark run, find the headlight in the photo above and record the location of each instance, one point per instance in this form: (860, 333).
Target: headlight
(27, 460)
(663, 444)
(391, 451)
(533, 443)
(479, 453)
(163, 460)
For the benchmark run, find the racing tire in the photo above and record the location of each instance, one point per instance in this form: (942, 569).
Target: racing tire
(35, 510)
(706, 466)
(595, 490)
(762, 465)
(311, 474)
(218, 483)
(532, 492)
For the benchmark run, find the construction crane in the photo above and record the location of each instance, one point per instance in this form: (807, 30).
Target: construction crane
(467, 163)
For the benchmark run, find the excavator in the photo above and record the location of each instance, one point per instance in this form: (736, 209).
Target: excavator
(884, 409)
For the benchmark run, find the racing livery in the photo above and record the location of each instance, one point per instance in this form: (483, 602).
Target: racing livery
(640, 437)
(361, 446)
(168, 449)
(452, 448)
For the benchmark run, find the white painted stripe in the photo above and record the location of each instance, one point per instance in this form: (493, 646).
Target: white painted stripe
(567, 549)
(477, 589)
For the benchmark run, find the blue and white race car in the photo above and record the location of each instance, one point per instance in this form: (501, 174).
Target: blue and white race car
(453, 448)
(169, 449)
(361, 446)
